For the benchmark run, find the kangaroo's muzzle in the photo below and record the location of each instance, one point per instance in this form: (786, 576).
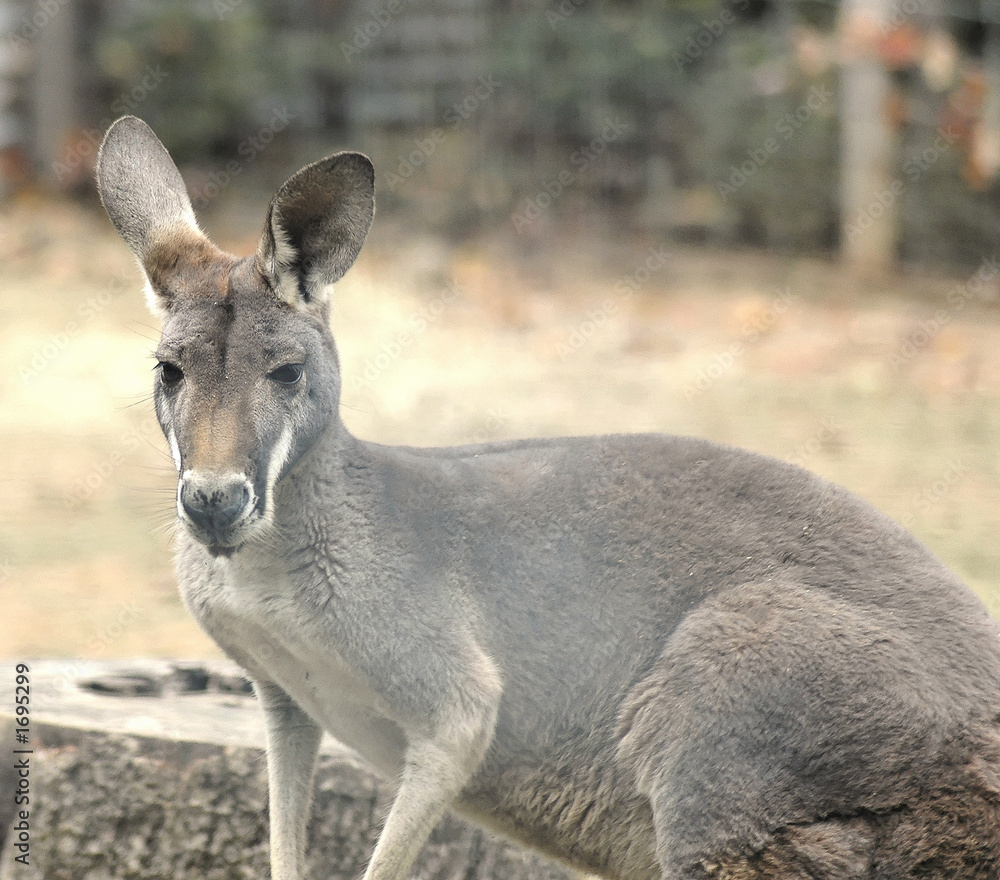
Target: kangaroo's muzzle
(215, 507)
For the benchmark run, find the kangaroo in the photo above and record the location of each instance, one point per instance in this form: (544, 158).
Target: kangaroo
(647, 656)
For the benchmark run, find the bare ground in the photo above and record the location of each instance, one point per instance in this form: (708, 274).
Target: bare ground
(889, 387)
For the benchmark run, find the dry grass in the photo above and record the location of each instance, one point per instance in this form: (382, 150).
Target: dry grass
(84, 530)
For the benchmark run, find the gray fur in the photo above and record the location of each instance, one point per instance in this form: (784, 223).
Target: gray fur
(316, 225)
(140, 186)
(649, 656)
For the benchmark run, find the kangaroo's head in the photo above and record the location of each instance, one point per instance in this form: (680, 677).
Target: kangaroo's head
(247, 377)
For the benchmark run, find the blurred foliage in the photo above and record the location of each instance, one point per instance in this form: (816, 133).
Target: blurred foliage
(703, 115)
(571, 71)
(704, 85)
(770, 144)
(949, 212)
(222, 68)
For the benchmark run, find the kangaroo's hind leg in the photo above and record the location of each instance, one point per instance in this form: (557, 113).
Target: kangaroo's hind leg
(776, 728)
(953, 831)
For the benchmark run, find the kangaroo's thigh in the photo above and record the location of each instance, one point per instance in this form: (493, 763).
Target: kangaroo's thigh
(772, 708)
(834, 849)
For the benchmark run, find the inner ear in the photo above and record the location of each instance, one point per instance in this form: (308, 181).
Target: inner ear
(316, 224)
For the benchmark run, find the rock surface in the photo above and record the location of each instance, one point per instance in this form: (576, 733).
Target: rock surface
(173, 784)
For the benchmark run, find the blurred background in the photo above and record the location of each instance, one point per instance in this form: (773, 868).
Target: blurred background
(769, 223)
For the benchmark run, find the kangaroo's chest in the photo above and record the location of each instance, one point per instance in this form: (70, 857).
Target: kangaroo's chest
(258, 617)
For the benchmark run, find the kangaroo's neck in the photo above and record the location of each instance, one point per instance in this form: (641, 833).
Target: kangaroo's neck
(326, 496)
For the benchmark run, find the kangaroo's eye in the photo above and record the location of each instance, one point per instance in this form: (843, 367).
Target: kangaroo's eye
(170, 374)
(289, 374)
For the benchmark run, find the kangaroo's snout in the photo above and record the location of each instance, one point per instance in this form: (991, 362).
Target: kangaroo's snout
(214, 505)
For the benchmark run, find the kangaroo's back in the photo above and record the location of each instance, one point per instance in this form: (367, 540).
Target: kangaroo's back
(635, 531)
(649, 656)
(780, 631)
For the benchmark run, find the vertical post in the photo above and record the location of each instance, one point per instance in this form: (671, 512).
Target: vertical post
(987, 154)
(53, 92)
(869, 191)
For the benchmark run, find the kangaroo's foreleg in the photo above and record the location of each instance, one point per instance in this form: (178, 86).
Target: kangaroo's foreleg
(292, 747)
(437, 766)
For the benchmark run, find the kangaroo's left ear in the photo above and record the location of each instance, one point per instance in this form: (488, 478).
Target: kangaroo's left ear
(144, 195)
(315, 227)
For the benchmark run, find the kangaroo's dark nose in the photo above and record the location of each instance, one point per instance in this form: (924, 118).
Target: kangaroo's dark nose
(214, 503)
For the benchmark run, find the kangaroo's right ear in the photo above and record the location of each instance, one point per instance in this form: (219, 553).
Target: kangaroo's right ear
(315, 227)
(146, 199)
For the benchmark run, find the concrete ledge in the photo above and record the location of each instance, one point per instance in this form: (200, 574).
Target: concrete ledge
(173, 784)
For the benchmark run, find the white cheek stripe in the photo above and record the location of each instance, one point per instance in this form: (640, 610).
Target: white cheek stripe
(279, 458)
(279, 455)
(175, 450)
